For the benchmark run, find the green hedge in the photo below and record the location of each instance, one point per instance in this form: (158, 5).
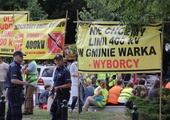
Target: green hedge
(149, 110)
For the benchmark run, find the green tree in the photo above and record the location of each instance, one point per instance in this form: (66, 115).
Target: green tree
(36, 11)
(97, 10)
(131, 12)
(10, 5)
(57, 9)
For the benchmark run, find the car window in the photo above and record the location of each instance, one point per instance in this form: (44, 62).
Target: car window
(47, 72)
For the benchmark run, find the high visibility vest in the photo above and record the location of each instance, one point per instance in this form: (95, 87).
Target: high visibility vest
(103, 102)
(126, 93)
(100, 77)
(96, 90)
(112, 83)
(32, 77)
(113, 95)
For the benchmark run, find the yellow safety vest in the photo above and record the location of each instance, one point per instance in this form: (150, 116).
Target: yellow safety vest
(126, 93)
(32, 76)
(112, 83)
(100, 77)
(103, 102)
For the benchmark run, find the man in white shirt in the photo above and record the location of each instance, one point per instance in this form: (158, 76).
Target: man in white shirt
(3, 68)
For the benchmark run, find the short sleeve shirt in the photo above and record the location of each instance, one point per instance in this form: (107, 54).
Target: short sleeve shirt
(16, 72)
(31, 67)
(61, 77)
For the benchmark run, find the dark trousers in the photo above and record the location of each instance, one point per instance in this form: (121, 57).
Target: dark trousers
(74, 100)
(14, 111)
(56, 105)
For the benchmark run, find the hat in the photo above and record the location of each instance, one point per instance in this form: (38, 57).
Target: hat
(18, 53)
(58, 56)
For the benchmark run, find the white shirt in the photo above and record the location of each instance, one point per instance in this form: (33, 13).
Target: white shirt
(3, 69)
(74, 80)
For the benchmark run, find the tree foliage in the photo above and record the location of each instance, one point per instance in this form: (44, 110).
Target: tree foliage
(57, 9)
(136, 12)
(97, 11)
(149, 110)
(36, 11)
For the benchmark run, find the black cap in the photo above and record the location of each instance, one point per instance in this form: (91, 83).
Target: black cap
(18, 53)
(58, 56)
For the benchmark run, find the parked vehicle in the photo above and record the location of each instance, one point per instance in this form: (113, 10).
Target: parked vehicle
(45, 76)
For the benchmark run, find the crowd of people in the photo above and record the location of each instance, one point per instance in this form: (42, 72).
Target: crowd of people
(69, 84)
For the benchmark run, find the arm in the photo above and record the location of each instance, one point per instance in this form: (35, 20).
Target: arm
(24, 69)
(62, 86)
(99, 93)
(74, 71)
(19, 82)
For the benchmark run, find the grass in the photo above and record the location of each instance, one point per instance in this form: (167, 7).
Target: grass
(44, 115)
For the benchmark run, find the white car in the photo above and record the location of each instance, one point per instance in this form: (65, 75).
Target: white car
(45, 76)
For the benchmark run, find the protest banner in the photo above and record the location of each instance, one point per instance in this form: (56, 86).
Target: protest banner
(40, 39)
(106, 48)
(7, 19)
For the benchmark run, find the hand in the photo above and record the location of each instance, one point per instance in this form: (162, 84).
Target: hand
(25, 83)
(52, 96)
(56, 89)
(26, 65)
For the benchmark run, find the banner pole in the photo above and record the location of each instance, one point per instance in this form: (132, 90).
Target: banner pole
(65, 29)
(160, 99)
(78, 75)
(13, 26)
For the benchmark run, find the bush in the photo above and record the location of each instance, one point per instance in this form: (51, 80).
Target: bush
(149, 110)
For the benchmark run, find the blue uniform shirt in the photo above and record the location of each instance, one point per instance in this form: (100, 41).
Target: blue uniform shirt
(13, 72)
(61, 77)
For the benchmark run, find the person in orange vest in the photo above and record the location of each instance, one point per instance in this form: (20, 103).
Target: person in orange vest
(167, 85)
(114, 92)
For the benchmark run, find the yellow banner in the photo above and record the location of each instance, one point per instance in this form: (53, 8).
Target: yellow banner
(106, 48)
(40, 39)
(7, 19)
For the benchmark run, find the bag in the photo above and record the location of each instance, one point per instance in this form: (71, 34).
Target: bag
(98, 98)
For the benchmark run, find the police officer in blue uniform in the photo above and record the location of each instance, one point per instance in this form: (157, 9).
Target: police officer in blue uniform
(62, 84)
(14, 83)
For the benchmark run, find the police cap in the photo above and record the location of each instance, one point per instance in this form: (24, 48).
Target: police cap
(58, 56)
(18, 53)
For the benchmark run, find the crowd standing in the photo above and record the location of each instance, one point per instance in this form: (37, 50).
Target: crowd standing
(86, 89)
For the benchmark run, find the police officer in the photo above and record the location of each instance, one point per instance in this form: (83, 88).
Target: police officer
(14, 83)
(62, 84)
